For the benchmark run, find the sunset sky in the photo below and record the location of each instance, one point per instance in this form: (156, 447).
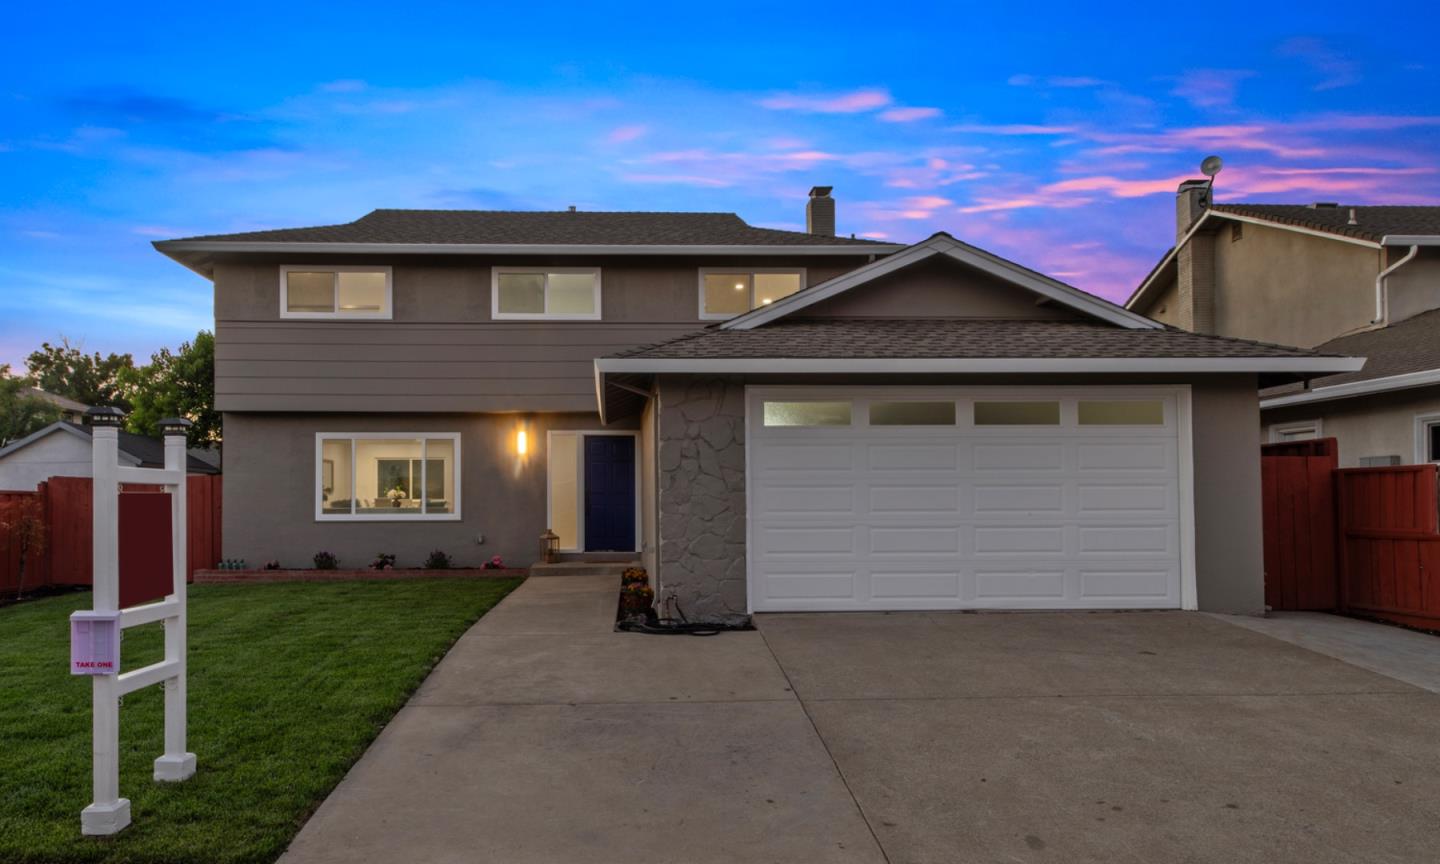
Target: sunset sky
(1054, 136)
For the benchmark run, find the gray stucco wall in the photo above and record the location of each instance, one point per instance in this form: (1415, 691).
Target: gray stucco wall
(269, 508)
(702, 486)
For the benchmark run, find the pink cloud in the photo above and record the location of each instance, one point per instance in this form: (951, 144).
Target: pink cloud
(678, 179)
(909, 115)
(1210, 88)
(854, 102)
(1012, 129)
(1115, 186)
(621, 134)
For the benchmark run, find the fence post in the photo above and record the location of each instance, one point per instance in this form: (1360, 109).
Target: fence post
(108, 813)
(176, 764)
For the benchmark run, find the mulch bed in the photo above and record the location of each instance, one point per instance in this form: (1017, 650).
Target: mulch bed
(366, 575)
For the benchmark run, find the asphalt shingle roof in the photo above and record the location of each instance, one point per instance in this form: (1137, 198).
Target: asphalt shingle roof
(151, 451)
(867, 338)
(1412, 345)
(1371, 223)
(563, 228)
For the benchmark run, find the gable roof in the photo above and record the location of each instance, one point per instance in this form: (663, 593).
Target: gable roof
(944, 245)
(1400, 356)
(1375, 227)
(563, 232)
(141, 451)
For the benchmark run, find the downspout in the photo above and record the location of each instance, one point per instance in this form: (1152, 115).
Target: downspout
(1382, 294)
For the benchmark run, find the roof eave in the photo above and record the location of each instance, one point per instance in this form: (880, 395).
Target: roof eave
(1353, 389)
(1320, 365)
(1410, 240)
(174, 247)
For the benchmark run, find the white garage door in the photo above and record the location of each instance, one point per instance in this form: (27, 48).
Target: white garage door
(959, 498)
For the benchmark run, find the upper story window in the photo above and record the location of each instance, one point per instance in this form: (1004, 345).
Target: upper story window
(729, 291)
(335, 292)
(563, 293)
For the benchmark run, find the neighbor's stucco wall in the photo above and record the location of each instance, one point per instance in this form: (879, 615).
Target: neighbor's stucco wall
(269, 508)
(441, 351)
(1415, 287)
(1379, 425)
(1165, 307)
(58, 454)
(702, 485)
(1275, 285)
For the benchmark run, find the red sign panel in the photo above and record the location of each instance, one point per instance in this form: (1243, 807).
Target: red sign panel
(144, 548)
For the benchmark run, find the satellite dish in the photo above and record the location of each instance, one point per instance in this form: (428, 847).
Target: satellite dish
(1211, 166)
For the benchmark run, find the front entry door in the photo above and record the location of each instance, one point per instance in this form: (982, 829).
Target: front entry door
(609, 493)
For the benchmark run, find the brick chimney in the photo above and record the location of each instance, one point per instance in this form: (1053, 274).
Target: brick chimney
(1195, 262)
(820, 211)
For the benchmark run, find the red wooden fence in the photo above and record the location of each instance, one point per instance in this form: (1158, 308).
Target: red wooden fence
(65, 505)
(1390, 550)
(1298, 506)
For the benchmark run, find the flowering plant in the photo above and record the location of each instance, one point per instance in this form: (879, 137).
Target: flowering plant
(634, 575)
(496, 563)
(396, 494)
(383, 561)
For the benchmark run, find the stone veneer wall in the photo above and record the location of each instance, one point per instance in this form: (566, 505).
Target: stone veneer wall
(702, 496)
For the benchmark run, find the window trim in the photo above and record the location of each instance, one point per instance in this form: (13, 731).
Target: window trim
(1278, 430)
(352, 437)
(386, 313)
(752, 272)
(1423, 423)
(497, 315)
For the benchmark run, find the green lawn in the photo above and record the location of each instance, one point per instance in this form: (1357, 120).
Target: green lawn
(289, 683)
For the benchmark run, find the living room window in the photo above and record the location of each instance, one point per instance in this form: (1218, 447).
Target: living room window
(557, 293)
(387, 476)
(729, 291)
(331, 291)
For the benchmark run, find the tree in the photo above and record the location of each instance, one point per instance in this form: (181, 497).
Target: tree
(21, 413)
(87, 378)
(176, 385)
(23, 524)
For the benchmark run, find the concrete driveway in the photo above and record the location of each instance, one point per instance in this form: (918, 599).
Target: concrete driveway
(910, 737)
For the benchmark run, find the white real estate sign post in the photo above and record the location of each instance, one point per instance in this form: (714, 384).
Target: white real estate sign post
(94, 648)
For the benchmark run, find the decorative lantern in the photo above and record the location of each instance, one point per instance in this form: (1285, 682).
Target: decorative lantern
(549, 546)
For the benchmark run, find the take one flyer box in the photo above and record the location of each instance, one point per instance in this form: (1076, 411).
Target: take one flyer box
(94, 643)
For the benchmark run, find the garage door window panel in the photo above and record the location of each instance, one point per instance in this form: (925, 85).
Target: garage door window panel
(807, 414)
(1127, 412)
(1017, 413)
(912, 413)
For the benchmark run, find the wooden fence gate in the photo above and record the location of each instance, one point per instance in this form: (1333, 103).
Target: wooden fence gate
(1298, 499)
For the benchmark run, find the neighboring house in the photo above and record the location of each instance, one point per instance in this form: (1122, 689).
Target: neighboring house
(69, 409)
(1340, 279)
(860, 426)
(63, 449)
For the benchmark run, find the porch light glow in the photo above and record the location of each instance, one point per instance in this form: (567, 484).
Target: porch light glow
(522, 442)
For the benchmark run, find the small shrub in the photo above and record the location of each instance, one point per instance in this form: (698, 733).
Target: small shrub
(326, 561)
(438, 560)
(634, 576)
(496, 563)
(272, 565)
(383, 561)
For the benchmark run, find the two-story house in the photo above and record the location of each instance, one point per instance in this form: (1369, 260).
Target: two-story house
(1347, 280)
(770, 420)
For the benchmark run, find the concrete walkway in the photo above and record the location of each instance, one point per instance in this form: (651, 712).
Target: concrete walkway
(546, 737)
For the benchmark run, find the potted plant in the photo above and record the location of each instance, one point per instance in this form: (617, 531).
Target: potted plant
(636, 598)
(634, 576)
(396, 495)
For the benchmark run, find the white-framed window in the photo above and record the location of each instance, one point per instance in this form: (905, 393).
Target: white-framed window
(551, 293)
(336, 291)
(387, 476)
(1427, 438)
(729, 291)
(1300, 430)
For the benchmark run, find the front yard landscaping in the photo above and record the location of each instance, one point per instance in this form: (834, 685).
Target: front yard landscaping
(289, 683)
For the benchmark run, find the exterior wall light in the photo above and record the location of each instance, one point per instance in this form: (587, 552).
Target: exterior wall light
(522, 442)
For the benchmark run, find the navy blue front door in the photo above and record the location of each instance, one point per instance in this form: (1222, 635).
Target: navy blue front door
(609, 493)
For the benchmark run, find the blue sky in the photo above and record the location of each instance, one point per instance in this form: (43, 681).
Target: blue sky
(1053, 135)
